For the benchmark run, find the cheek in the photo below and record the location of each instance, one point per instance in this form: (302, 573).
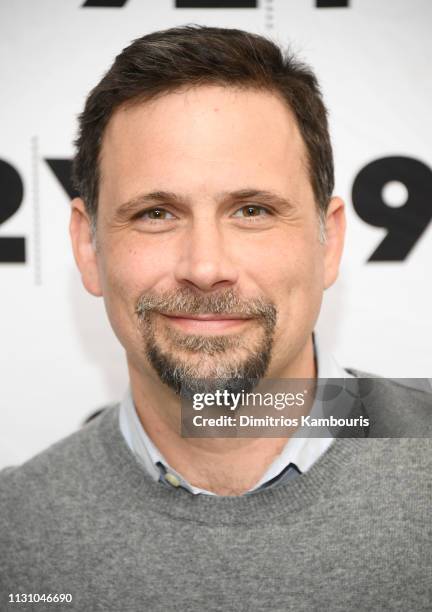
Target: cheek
(290, 272)
(127, 272)
(290, 265)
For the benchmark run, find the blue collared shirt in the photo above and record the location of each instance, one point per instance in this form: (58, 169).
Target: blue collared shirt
(297, 456)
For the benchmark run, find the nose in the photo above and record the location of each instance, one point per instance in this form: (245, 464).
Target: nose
(204, 261)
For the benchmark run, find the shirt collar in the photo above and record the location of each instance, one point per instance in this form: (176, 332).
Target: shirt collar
(302, 452)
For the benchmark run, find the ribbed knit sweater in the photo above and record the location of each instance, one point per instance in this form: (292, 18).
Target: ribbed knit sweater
(353, 533)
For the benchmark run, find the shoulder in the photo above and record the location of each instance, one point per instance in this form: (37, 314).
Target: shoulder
(46, 504)
(396, 407)
(57, 472)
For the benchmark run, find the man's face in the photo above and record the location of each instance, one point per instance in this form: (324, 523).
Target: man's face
(209, 258)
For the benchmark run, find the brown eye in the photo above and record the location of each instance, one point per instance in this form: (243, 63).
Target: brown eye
(251, 211)
(156, 214)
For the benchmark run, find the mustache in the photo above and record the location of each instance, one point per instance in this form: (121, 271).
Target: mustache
(187, 301)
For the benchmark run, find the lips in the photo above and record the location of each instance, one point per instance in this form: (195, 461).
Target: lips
(206, 317)
(205, 323)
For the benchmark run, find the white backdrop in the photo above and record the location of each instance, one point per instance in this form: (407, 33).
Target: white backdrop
(59, 358)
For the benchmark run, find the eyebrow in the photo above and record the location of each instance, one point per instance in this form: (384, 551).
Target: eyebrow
(153, 198)
(163, 198)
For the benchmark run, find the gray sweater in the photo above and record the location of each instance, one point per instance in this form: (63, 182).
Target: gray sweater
(353, 533)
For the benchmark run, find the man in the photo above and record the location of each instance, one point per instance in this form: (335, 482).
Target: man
(207, 223)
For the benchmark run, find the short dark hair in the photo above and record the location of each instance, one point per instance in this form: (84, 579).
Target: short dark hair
(193, 55)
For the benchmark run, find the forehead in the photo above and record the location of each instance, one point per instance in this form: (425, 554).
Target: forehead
(209, 137)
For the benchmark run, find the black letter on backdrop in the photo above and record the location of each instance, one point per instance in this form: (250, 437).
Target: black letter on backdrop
(62, 168)
(217, 4)
(104, 3)
(406, 223)
(332, 3)
(12, 248)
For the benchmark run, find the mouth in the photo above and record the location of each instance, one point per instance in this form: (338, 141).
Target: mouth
(206, 323)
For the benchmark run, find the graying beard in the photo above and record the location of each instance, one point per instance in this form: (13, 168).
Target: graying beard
(206, 345)
(185, 378)
(186, 302)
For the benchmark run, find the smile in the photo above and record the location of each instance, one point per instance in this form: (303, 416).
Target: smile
(206, 323)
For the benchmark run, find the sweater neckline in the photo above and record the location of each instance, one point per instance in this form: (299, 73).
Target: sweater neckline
(323, 480)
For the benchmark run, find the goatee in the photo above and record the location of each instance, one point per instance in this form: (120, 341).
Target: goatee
(224, 371)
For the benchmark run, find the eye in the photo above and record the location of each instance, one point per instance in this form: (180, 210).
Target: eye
(250, 211)
(156, 214)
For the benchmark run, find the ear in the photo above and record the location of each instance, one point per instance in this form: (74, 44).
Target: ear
(335, 236)
(83, 248)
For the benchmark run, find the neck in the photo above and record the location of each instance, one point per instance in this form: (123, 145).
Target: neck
(220, 465)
